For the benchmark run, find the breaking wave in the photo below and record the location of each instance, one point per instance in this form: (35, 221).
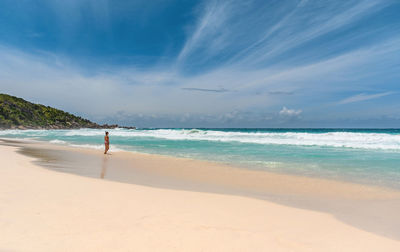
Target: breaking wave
(370, 140)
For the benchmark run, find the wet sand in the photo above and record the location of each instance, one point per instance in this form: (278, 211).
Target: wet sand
(329, 204)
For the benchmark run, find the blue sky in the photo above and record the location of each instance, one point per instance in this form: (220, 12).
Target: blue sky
(248, 63)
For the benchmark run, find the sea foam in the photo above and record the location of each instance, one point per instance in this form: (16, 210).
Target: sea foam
(331, 139)
(361, 140)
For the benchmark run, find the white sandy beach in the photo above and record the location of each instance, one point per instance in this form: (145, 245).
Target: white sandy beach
(44, 210)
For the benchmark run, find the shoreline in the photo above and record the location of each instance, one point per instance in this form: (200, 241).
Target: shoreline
(46, 147)
(355, 157)
(43, 210)
(369, 208)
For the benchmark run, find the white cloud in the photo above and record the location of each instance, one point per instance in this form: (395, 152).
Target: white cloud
(290, 112)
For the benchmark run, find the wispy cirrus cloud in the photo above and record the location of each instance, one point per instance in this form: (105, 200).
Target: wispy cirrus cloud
(363, 97)
(208, 30)
(317, 22)
(228, 33)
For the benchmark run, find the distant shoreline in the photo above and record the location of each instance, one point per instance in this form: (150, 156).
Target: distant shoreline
(17, 113)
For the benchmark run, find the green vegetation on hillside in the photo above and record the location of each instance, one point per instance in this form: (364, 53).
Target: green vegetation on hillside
(18, 113)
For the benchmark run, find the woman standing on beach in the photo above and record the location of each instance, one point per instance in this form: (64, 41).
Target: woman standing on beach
(106, 143)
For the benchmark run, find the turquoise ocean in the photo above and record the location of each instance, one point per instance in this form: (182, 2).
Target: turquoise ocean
(367, 156)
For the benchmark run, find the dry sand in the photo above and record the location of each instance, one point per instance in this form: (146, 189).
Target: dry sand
(43, 210)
